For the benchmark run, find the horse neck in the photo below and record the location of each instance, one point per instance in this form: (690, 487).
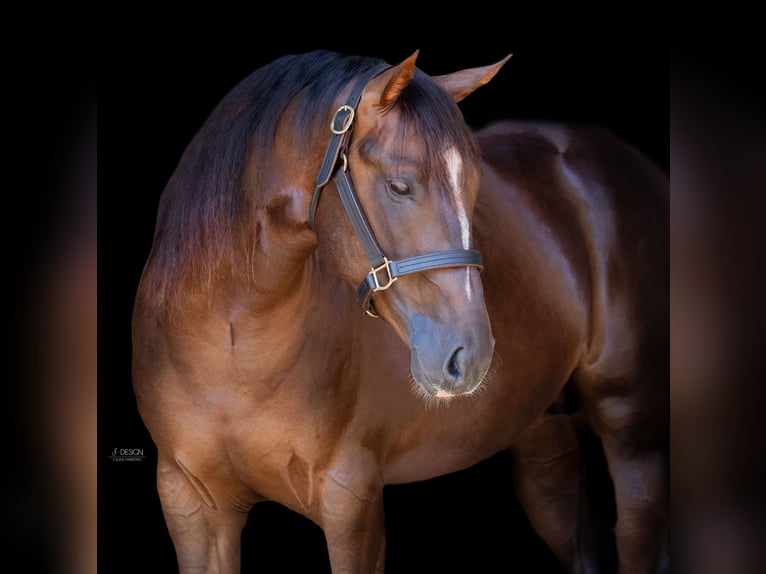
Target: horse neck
(270, 264)
(305, 301)
(287, 289)
(274, 241)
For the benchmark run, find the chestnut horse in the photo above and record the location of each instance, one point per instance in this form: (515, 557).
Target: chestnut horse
(313, 322)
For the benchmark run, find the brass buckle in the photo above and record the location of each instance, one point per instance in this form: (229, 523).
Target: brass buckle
(372, 313)
(347, 121)
(374, 272)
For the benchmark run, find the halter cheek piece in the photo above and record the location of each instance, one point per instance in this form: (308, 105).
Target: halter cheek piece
(383, 272)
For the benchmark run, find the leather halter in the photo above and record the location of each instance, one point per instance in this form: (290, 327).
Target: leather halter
(383, 272)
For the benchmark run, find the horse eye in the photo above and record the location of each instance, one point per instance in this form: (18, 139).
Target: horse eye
(399, 187)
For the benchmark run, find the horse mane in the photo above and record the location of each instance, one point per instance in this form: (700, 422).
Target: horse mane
(205, 198)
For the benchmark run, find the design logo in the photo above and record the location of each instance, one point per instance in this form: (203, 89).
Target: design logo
(127, 455)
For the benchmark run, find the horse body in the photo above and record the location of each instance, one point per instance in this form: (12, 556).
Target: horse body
(260, 379)
(583, 219)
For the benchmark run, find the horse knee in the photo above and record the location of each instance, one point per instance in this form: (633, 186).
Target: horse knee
(206, 537)
(640, 479)
(351, 516)
(641, 496)
(547, 458)
(181, 491)
(347, 498)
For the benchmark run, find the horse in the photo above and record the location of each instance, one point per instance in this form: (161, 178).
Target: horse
(350, 288)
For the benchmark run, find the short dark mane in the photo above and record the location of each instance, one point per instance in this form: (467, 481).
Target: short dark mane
(204, 197)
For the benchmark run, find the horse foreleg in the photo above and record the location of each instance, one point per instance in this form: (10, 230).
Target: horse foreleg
(352, 518)
(550, 470)
(641, 495)
(206, 537)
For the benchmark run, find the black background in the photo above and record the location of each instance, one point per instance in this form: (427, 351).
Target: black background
(157, 85)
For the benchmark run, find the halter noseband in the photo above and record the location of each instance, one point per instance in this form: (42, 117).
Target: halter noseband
(383, 272)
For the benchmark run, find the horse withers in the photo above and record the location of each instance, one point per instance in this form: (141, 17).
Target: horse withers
(313, 322)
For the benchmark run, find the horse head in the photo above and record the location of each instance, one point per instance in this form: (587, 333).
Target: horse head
(399, 227)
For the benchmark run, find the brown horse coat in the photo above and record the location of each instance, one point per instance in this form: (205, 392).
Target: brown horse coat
(260, 379)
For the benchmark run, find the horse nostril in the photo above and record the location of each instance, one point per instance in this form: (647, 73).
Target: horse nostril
(453, 364)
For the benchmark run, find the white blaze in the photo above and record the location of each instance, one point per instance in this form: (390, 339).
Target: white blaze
(455, 169)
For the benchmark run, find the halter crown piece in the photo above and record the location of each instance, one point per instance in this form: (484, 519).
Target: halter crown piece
(383, 272)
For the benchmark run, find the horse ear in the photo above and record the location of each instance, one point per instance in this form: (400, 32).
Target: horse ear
(398, 78)
(460, 84)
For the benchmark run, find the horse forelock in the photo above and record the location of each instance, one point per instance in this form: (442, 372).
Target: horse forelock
(205, 198)
(429, 112)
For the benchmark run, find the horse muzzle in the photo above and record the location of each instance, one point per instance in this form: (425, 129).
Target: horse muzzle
(450, 360)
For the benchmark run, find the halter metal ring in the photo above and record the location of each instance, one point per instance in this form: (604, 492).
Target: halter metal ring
(347, 121)
(374, 273)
